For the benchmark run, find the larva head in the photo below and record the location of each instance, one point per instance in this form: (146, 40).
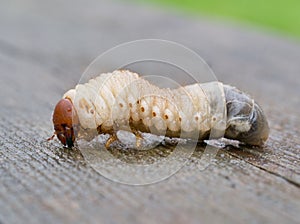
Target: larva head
(65, 121)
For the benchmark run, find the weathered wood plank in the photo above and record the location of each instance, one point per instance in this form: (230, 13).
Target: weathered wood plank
(43, 50)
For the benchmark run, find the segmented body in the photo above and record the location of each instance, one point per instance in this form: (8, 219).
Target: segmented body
(115, 99)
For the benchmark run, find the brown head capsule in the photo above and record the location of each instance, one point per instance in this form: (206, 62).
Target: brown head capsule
(65, 121)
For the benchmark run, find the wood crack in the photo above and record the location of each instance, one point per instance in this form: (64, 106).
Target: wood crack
(294, 183)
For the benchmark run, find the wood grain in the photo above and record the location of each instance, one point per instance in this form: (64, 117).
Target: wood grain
(44, 48)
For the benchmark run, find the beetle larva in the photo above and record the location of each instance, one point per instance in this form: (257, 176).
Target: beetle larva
(147, 107)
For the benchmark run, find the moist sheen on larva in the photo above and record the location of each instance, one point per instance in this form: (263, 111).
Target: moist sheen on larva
(122, 97)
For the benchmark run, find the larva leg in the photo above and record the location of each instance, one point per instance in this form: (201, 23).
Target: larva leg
(137, 134)
(112, 135)
(111, 139)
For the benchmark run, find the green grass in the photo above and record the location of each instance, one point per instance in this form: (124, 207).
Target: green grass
(278, 15)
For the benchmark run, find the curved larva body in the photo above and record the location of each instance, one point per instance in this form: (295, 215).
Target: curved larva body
(114, 99)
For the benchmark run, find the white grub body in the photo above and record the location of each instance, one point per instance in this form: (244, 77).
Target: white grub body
(122, 99)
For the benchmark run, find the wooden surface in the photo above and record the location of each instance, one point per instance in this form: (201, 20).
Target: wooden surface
(44, 48)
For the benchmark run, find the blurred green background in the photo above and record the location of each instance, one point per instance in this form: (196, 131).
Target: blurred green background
(277, 15)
